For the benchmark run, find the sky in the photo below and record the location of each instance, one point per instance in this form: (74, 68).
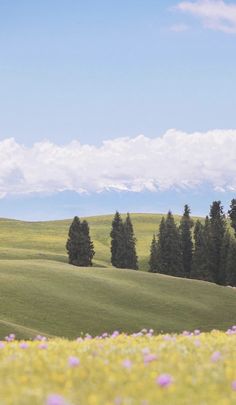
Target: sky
(108, 106)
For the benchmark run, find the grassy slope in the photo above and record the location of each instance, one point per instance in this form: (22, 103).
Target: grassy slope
(58, 299)
(46, 240)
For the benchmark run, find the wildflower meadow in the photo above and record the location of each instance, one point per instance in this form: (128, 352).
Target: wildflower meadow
(119, 369)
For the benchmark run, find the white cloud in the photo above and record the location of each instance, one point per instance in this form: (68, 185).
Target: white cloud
(175, 160)
(214, 14)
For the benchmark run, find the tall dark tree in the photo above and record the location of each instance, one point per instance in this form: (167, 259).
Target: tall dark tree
(79, 246)
(224, 258)
(153, 260)
(116, 240)
(231, 264)
(232, 214)
(86, 248)
(201, 266)
(186, 225)
(161, 247)
(169, 248)
(130, 255)
(217, 231)
(198, 270)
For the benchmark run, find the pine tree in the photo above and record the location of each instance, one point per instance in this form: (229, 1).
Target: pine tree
(225, 252)
(87, 248)
(201, 269)
(153, 261)
(231, 264)
(161, 262)
(169, 248)
(186, 225)
(217, 232)
(116, 240)
(79, 246)
(130, 256)
(232, 214)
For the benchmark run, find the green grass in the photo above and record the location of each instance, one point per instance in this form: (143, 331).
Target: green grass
(57, 299)
(41, 294)
(46, 240)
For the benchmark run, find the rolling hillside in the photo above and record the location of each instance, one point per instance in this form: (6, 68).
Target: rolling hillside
(57, 299)
(41, 294)
(46, 240)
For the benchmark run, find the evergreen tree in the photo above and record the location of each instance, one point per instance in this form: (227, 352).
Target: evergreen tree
(186, 225)
(153, 261)
(79, 246)
(169, 248)
(86, 248)
(201, 268)
(231, 264)
(232, 214)
(225, 252)
(198, 270)
(130, 256)
(216, 232)
(116, 240)
(160, 262)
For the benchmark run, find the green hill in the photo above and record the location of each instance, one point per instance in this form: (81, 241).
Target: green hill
(58, 299)
(41, 293)
(46, 240)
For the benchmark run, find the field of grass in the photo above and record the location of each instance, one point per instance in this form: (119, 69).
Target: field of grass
(121, 370)
(56, 299)
(46, 240)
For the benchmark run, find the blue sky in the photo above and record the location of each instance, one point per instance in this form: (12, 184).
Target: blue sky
(94, 71)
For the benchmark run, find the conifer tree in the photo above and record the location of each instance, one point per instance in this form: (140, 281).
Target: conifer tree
(232, 214)
(169, 248)
(161, 263)
(116, 240)
(130, 256)
(79, 246)
(186, 224)
(216, 232)
(198, 270)
(224, 258)
(231, 264)
(87, 248)
(201, 267)
(153, 261)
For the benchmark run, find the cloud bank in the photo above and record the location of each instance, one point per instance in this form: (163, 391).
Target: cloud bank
(175, 160)
(214, 14)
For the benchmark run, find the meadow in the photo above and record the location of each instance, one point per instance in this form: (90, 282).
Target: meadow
(46, 240)
(41, 293)
(142, 369)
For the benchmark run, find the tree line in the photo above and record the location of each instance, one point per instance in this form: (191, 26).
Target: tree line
(205, 250)
(80, 247)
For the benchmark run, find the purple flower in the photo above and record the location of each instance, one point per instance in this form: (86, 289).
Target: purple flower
(2, 345)
(23, 345)
(115, 334)
(148, 358)
(215, 356)
(234, 385)
(127, 363)
(197, 343)
(73, 361)
(10, 338)
(197, 332)
(43, 346)
(55, 399)
(40, 338)
(164, 380)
